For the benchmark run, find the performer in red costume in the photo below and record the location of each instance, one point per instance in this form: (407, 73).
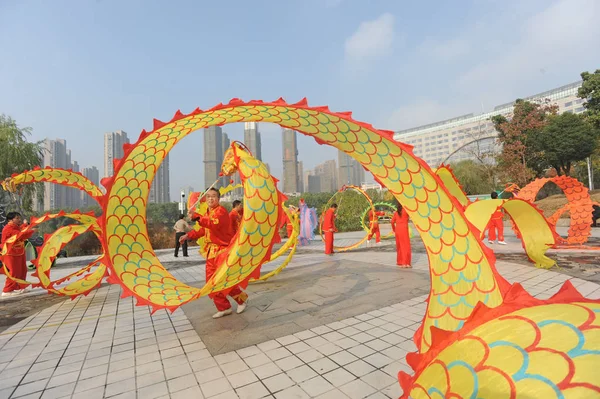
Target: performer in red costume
(15, 259)
(285, 221)
(236, 215)
(400, 227)
(496, 224)
(374, 226)
(329, 228)
(216, 227)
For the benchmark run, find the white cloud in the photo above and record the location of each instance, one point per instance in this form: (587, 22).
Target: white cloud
(446, 50)
(372, 39)
(561, 37)
(551, 48)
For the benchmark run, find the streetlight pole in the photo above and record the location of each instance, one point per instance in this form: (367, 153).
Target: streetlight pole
(590, 173)
(182, 203)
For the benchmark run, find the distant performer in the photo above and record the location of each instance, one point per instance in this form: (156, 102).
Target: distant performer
(496, 224)
(236, 215)
(287, 222)
(374, 226)
(400, 228)
(308, 222)
(15, 259)
(329, 228)
(216, 228)
(181, 227)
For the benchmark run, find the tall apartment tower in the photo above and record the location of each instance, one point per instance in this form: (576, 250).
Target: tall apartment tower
(349, 170)
(213, 154)
(57, 155)
(327, 173)
(300, 177)
(291, 181)
(113, 149)
(252, 139)
(74, 196)
(93, 174)
(160, 189)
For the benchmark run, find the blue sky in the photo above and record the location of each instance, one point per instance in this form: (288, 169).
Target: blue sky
(76, 69)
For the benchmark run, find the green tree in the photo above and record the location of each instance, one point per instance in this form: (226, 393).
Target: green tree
(473, 177)
(566, 139)
(522, 158)
(162, 214)
(18, 155)
(590, 92)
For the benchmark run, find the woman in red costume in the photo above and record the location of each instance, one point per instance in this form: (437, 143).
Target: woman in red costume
(216, 227)
(329, 228)
(400, 227)
(14, 259)
(374, 226)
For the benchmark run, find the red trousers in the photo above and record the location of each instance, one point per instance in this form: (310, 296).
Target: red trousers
(220, 299)
(496, 224)
(375, 231)
(403, 251)
(17, 265)
(289, 228)
(328, 242)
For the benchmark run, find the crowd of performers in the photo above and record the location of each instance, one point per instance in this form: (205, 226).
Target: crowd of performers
(219, 226)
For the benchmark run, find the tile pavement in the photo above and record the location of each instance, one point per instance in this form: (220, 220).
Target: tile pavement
(101, 346)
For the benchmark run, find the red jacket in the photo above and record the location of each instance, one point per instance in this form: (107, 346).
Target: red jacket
(216, 228)
(235, 219)
(374, 217)
(329, 220)
(18, 248)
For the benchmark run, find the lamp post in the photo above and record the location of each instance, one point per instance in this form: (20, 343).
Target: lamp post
(182, 203)
(590, 173)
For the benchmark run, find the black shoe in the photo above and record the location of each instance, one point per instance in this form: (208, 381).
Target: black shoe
(186, 256)
(176, 256)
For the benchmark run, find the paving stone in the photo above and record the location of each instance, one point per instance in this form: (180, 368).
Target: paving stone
(316, 386)
(277, 382)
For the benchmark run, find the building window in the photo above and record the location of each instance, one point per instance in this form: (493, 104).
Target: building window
(580, 109)
(570, 103)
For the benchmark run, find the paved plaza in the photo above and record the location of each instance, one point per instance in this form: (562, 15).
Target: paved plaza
(326, 327)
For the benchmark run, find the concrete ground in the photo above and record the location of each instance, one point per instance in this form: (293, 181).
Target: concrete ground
(326, 327)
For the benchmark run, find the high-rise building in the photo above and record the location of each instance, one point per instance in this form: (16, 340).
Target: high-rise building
(327, 173)
(314, 183)
(93, 174)
(226, 143)
(113, 150)
(291, 182)
(300, 177)
(252, 139)
(74, 198)
(350, 171)
(213, 155)
(449, 140)
(161, 186)
(57, 155)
